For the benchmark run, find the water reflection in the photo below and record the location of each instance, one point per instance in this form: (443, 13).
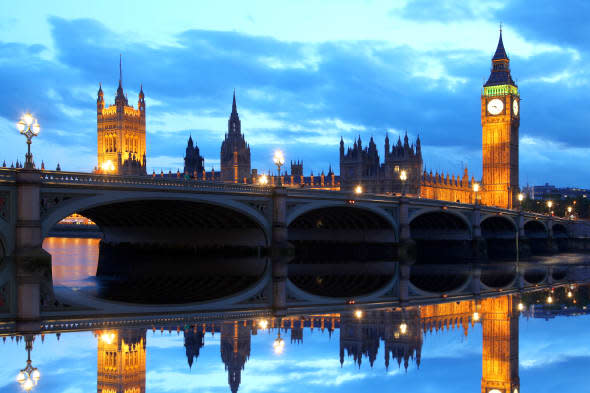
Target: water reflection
(398, 334)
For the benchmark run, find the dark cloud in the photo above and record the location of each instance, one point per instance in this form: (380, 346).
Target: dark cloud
(361, 83)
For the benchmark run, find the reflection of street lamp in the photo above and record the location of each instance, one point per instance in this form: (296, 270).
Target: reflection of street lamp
(358, 314)
(403, 328)
(29, 376)
(263, 324)
(279, 344)
(403, 177)
(279, 160)
(29, 127)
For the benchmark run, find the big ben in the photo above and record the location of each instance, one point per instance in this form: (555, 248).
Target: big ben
(500, 120)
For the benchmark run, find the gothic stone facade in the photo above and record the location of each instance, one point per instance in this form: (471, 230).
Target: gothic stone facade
(121, 135)
(235, 152)
(500, 118)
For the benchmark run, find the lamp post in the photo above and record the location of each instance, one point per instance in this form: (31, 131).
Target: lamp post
(520, 199)
(29, 376)
(279, 160)
(475, 190)
(29, 127)
(569, 212)
(549, 206)
(403, 177)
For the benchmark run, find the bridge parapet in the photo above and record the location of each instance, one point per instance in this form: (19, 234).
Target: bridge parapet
(71, 178)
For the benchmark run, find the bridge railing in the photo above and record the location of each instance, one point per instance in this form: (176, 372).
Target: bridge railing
(68, 178)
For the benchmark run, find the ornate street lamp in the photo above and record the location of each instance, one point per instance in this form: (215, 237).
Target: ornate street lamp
(476, 190)
(520, 199)
(29, 376)
(549, 206)
(29, 127)
(403, 177)
(279, 160)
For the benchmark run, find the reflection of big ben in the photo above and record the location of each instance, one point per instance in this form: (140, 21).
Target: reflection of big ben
(500, 346)
(121, 361)
(500, 120)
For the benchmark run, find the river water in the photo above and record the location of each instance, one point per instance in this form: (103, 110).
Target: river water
(439, 348)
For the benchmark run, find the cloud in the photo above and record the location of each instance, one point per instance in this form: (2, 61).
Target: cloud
(423, 75)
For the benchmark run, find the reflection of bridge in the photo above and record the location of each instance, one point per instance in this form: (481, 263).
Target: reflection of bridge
(310, 232)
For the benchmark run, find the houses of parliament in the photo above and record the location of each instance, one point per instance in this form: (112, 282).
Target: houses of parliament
(121, 131)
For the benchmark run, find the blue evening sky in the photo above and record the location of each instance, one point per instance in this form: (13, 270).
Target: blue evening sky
(305, 73)
(553, 356)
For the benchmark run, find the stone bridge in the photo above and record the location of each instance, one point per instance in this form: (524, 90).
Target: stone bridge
(310, 244)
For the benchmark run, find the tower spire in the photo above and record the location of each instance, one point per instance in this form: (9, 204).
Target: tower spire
(120, 71)
(234, 107)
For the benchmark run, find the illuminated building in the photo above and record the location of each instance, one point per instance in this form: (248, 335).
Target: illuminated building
(121, 134)
(500, 120)
(500, 345)
(121, 361)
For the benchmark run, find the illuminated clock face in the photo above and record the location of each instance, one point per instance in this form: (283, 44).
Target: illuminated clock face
(495, 106)
(515, 107)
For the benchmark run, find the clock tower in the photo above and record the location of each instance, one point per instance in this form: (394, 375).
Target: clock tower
(500, 120)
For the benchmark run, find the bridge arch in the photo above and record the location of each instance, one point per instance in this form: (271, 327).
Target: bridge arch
(560, 236)
(341, 250)
(78, 205)
(499, 231)
(441, 236)
(538, 235)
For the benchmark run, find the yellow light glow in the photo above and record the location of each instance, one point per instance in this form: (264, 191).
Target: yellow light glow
(20, 378)
(569, 294)
(36, 375)
(28, 385)
(403, 328)
(403, 176)
(107, 338)
(475, 187)
(263, 180)
(28, 119)
(278, 345)
(569, 209)
(520, 306)
(107, 166)
(549, 204)
(358, 189)
(520, 197)
(263, 324)
(549, 299)
(279, 158)
(476, 316)
(20, 126)
(358, 314)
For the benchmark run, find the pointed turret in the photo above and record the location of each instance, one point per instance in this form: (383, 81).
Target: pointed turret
(100, 99)
(500, 74)
(500, 51)
(120, 99)
(234, 107)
